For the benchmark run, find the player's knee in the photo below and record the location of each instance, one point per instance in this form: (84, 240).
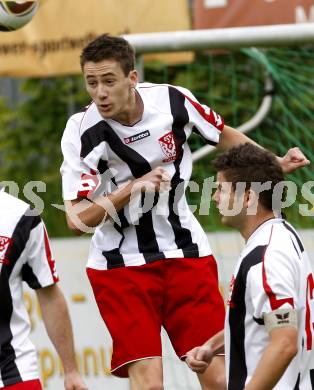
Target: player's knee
(146, 375)
(214, 377)
(155, 387)
(217, 383)
(147, 384)
(213, 382)
(220, 383)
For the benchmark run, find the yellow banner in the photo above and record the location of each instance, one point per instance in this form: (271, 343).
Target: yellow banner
(51, 43)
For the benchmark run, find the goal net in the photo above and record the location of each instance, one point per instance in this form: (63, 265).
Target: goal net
(233, 84)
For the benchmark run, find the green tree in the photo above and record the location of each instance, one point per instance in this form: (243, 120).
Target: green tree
(30, 137)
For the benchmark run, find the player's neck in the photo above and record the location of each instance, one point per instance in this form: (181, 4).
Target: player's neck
(134, 111)
(253, 222)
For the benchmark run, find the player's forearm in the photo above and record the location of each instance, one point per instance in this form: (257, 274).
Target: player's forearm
(217, 343)
(293, 159)
(231, 137)
(58, 325)
(84, 214)
(274, 361)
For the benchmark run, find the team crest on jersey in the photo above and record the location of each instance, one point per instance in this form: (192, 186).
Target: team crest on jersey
(4, 245)
(168, 146)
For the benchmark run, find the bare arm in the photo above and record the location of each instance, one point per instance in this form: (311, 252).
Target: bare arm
(58, 325)
(84, 214)
(199, 358)
(231, 137)
(292, 160)
(276, 357)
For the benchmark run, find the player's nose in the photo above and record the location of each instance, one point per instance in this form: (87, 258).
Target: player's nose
(102, 92)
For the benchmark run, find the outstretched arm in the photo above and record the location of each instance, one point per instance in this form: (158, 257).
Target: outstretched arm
(58, 325)
(293, 159)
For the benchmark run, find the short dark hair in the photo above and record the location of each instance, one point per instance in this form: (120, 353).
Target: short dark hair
(249, 163)
(107, 47)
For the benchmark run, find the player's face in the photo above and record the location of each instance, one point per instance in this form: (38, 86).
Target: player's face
(231, 207)
(110, 88)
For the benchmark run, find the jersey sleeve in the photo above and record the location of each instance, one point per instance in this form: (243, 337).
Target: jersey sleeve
(205, 121)
(39, 268)
(81, 178)
(273, 285)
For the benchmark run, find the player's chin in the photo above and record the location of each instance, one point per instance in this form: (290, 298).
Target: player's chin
(226, 220)
(223, 218)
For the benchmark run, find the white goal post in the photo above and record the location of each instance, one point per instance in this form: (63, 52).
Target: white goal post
(225, 38)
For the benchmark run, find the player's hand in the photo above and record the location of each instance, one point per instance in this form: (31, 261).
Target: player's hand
(199, 358)
(154, 181)
(74, 381)
(293, 160)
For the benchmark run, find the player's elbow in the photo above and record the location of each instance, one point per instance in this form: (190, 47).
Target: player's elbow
(76, 231)
(74, 228)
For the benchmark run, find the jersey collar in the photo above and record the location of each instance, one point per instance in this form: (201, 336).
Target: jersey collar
(269, 221)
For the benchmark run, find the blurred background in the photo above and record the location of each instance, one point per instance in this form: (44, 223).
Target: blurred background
(242, 79)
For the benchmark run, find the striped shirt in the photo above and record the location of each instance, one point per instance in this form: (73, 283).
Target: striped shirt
(100, 155)
(25, 255)
(273, 272)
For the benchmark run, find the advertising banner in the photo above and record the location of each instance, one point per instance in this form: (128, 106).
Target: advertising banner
(51, 43)
(238, 13)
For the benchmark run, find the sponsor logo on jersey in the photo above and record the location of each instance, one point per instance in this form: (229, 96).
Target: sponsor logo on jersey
(168, 146)
(137, 137)
(4, 245)
(283, 318)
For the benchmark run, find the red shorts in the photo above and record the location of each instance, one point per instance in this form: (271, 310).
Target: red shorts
(182, 295)
(28, 385)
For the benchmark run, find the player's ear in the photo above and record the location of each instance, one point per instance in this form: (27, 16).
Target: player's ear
(133, 77)
(251, 199)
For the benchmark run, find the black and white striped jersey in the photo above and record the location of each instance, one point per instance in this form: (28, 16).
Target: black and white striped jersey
(273, 272)
(25, 255)
(101, 154)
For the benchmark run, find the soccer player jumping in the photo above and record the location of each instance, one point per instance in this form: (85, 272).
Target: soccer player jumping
(126, 167)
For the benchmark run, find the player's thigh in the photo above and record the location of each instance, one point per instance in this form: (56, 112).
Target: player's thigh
(129, 300)
(28, 385)
(214, 378)
(194, 308)
(146, 374)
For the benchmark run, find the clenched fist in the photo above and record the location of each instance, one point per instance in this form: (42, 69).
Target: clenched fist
(155, 181)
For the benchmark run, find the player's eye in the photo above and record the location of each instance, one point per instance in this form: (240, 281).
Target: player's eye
(110, 81)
